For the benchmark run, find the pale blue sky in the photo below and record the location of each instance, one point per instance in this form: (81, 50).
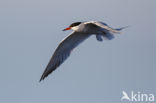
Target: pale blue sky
(96, 72)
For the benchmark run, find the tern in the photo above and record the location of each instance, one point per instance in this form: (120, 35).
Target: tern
(81, 31)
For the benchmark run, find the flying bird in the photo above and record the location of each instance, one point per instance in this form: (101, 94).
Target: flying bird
(81, 31)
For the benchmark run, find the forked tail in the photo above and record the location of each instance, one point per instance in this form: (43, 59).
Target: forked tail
(119, 29)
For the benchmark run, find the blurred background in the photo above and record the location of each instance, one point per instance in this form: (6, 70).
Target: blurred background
(96, 72)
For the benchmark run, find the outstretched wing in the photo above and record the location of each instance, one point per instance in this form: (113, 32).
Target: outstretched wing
(106, 30)
(104, 26)
(63, 51)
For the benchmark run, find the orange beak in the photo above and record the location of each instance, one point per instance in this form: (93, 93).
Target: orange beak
(67, 29)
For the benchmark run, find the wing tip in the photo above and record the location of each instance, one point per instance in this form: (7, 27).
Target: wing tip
(45, 74)
(42, 78)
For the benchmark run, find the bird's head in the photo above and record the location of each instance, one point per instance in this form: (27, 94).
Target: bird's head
(73, 26)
